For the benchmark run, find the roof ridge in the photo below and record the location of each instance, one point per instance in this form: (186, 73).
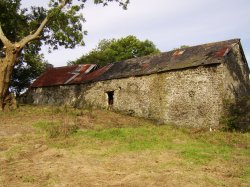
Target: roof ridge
(70, 66)
(212, 43)
(190, 47)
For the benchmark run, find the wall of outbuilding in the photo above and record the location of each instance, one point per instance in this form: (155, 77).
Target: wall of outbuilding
(189, 97)
(236, 75)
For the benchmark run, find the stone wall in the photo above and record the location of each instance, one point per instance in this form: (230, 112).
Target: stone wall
(236, 75)
(190, 97)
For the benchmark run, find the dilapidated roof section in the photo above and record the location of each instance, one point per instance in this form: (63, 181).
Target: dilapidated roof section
(201, 55)
(63, 75)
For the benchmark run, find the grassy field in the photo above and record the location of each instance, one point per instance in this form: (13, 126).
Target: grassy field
(52, 146)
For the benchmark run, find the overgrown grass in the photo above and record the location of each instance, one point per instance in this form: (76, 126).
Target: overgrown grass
(28, 178)
(105, 138)
(56, 129)
(246, 174)
(201, 153)
(199, 150)
(159, 138)
(129, 139)
(13, 152)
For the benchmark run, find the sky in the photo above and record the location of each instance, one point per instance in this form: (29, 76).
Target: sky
(167, 23)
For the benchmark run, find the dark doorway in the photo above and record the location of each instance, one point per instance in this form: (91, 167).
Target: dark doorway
(110, 97)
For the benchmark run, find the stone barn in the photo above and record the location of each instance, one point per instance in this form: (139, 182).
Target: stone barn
(185, 87)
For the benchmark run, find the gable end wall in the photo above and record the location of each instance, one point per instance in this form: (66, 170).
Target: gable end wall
(236, 75)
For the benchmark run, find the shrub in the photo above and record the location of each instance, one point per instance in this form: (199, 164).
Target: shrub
(238, 115)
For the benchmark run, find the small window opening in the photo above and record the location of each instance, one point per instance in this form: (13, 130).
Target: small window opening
(110, 97)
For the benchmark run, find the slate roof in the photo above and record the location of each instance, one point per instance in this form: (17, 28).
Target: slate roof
(201, 55)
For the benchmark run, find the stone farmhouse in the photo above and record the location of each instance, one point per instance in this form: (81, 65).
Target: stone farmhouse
(185, 87)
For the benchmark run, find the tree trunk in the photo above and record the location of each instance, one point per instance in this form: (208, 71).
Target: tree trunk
(12, 50)
(6, 68)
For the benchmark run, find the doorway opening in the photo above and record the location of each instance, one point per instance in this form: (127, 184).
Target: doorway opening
(110, 98)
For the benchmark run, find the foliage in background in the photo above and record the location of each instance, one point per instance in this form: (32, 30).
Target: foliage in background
(182, 47)
(115, 50)
(25, 73)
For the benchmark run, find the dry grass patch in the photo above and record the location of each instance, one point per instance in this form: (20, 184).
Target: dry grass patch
(61, 146)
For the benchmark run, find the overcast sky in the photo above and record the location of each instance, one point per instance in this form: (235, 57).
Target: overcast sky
(167, 23)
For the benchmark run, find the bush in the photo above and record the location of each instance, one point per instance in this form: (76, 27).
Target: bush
(238, 115)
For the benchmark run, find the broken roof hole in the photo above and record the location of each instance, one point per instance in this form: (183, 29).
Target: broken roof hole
(91, 68)
(222, 52)
(178, 53)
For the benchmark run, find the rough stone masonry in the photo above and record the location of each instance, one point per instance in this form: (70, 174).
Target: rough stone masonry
(185, 87)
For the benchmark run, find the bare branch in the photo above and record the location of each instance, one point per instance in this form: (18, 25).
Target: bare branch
(36, 34)
(3, 38)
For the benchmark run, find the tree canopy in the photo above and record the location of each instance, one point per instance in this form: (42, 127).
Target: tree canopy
(24, 30)
(60, 25)
(25, 73)
(114, 50)
(30, 62)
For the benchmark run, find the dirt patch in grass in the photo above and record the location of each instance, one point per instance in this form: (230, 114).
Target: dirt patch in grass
(110, 149)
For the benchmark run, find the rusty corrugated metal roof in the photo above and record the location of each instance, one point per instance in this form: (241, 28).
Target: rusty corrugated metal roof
(60, 75)
(207, 54)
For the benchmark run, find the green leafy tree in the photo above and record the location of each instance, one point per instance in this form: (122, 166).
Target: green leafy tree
(30, 62)
(24, 30)
(25, 73)
(115, 50)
